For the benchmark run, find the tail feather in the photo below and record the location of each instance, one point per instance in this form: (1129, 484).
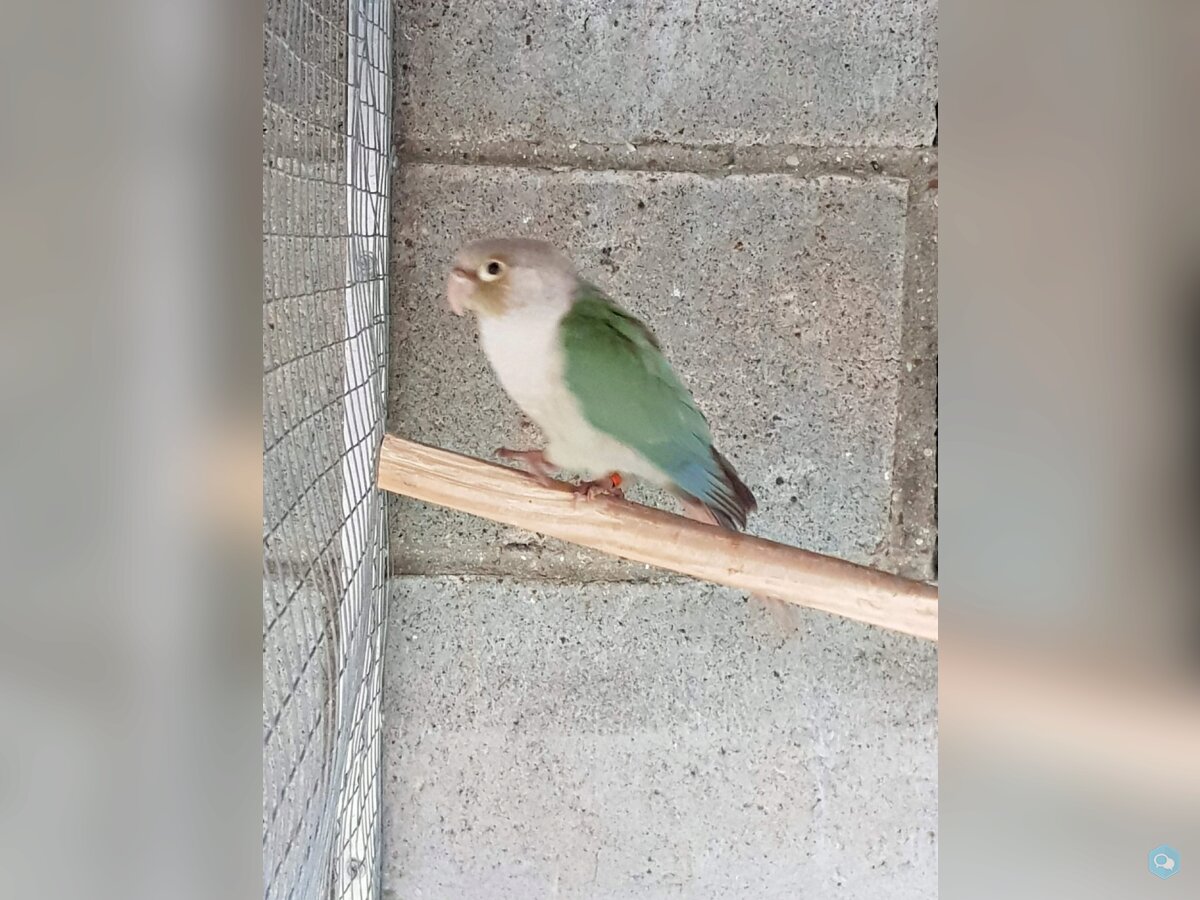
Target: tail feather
(730, 501)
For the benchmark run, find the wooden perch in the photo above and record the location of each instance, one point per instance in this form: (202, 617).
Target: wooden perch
(659, 538)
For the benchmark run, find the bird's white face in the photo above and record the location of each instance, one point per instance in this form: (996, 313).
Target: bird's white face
(490, 278)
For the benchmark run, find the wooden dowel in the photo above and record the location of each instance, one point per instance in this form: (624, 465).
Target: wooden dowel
(659, 538)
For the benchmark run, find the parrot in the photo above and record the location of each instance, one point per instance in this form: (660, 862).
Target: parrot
(593, 379)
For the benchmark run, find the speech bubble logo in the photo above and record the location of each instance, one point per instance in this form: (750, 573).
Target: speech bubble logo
(1164, 861)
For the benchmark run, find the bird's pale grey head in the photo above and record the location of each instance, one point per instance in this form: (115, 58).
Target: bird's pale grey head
(492, 277)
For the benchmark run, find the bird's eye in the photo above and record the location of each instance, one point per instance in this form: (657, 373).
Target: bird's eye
(491, 270)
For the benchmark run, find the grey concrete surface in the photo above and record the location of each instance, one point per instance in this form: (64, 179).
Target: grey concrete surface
(913, 544)
(651, 740)
(845, 72)
(778, 298)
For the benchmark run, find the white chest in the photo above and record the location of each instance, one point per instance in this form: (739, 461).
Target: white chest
(523, 348)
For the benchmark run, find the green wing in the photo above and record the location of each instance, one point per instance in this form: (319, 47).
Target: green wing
(626, 388)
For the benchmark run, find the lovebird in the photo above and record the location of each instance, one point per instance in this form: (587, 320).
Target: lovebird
(593, 379)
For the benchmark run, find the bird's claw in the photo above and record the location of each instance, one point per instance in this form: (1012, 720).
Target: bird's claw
(540, 467)
(609, 486)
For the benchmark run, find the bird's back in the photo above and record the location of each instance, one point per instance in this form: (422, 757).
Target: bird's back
(626, 389)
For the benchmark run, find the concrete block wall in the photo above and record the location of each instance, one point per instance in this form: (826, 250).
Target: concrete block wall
(757, 181)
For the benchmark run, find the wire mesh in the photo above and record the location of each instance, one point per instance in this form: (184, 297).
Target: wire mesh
(326, 139)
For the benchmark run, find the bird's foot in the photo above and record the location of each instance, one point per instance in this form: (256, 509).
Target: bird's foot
(608, 486)
(535, 460)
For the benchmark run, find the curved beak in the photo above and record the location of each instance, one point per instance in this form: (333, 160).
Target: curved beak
(459, 288)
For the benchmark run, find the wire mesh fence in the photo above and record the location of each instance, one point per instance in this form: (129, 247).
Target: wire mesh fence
(326, 139)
